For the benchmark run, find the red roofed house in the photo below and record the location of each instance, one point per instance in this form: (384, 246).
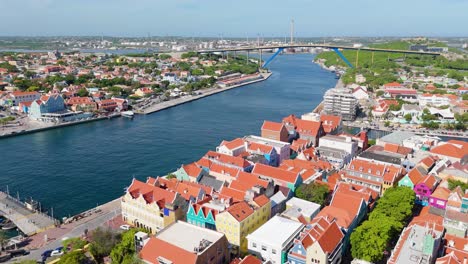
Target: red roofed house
(108, 105)
(305, 129)
(321, 241)
(276, 131)
(85, 104)
(19, 97)
(190, 172)
(280, 177)
(454, 150)
(183, 243)
(249, 259)
(375, 175)
(152, 207)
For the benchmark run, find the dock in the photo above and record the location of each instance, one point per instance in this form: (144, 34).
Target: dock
(27, 221)
(190, 98)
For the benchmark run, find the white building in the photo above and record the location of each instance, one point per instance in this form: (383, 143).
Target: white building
(433, 99)
(360, 93)
(360, 78)
(19, 97)
(340, 102)
(307, 209)
(273, 239)
(283, 149)
(337, 150)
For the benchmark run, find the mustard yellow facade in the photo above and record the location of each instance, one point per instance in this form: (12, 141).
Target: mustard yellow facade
(137, 212)
(237, 231)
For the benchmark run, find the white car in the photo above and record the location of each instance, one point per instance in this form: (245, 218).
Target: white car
(56, 253)
(125, 227)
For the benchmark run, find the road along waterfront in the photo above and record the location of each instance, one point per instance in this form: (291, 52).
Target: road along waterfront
(75, 168)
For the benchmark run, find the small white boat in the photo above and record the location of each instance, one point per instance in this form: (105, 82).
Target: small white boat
(128, 114)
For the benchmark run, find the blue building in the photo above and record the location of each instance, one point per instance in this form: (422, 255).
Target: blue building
(46, 104)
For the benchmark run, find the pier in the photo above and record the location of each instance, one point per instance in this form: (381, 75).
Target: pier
(190, 98)
(28, 221)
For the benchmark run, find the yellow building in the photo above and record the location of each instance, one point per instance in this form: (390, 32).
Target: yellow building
(151, 207)
(241, 219)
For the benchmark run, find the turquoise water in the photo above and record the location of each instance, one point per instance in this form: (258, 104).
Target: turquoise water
(74, 168)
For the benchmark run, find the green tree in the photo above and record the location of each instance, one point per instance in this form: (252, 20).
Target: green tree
(387, 123)
(380, 93)
(313, 192)
(75, 257)
(124, 250)
(370, 240)
(102, 242)
(171, 176)
(83, 92)
(73, 243)
(408, 117)
(452, 184)
(164, 56)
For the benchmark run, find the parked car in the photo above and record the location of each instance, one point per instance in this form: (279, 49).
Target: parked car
(125, 227)
(56, 253)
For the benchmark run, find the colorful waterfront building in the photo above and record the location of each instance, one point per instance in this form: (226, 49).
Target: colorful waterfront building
(204, 212)
(190, 172)
(152, 207)
(275, 131)
(241, 219)
(46, 104)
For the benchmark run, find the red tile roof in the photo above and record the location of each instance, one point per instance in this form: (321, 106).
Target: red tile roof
(192, 170)
(233, 144)
(151, 193)
(272, 126)
(275, 173)
(343, 217)
(453, 148)
(240, 211)
(249, 259)
(158, 248)
(330, 122)
(389, 173)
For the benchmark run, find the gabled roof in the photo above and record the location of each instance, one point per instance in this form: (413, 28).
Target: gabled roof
(389, 173)
(330, 122)
(305, 127)
(192, 170)
(441, 193)
(430, 181)
(343, 217)
(233, 144)
(236, 195)
(453, 148)
(240, 210)
(415, 175)
(158, 248)
(226, 159)
(272, 126)
(151, 194)
(245, 181)
(275, 173)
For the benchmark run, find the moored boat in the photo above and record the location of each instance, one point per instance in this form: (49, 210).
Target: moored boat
(128, 114)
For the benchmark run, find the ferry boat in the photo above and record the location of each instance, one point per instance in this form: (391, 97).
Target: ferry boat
(128, 114)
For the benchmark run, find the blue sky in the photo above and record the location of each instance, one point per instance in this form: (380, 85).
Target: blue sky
(234, 18)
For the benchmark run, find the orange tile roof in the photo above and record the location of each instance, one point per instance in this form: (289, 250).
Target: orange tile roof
(430, 181)
(228, 171)
(261, 200)
(192, 169)
(151, 193)
(305, 127)
(233, 144)
(342, 217)
(262, 148)
(441, 193)
(249, 259)
(158, 248)
(272, 126)
(326, 233)
(415, 175)
(226, 159)
(456, 246)
(236, 195)
(330, 122)
(392, 84)
(389, 173)
(453, 148)
(275, 173)
(240, 211)
(450, 258)
(245, 181)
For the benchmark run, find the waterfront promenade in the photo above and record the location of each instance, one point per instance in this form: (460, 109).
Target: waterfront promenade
(189, 98)
(29, 222)
(100, 216)
(36, 126)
